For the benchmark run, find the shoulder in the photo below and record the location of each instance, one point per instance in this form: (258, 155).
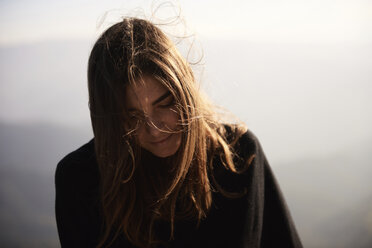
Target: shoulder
(78, 167)
(248, 142)
(247, 158)
(243, 141)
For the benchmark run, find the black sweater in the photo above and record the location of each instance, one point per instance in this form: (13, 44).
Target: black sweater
(260, 218)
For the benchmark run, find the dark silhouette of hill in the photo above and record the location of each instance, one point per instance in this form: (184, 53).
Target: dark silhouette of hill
(28, 157)
(329, 197)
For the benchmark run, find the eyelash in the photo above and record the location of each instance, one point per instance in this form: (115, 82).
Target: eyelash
(139, 116)
(166, 105)
(136, 117)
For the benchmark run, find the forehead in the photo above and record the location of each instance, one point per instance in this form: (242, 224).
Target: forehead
(144, 92)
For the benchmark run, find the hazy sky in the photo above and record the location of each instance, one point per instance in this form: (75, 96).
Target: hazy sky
(297, 72)
(270, 21)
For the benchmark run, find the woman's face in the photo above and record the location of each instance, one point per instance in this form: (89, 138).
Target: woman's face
(153, 114)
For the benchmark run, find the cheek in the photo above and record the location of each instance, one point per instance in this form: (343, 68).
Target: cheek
(141, 136)
(172, 119)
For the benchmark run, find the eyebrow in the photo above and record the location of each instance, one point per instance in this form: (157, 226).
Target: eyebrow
(161, 98)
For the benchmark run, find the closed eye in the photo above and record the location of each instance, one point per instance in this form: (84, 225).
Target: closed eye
(135, 116)
(167, 102)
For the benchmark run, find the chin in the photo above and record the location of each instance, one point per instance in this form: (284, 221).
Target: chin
(164, 150)
(163, 153)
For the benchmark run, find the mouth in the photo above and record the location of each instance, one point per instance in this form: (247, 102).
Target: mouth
(161, 141)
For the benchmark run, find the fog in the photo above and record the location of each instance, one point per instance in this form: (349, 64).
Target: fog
(309, 105)
(307, 100)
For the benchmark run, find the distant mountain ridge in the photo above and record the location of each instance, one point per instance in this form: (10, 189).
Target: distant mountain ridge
(28, 157)
(329, 197)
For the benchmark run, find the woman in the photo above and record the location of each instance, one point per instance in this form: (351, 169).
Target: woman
(161, 171)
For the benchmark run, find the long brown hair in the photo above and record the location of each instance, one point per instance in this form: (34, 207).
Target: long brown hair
(134, 197)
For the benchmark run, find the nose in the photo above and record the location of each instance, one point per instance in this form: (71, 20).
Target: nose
(154, 126)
